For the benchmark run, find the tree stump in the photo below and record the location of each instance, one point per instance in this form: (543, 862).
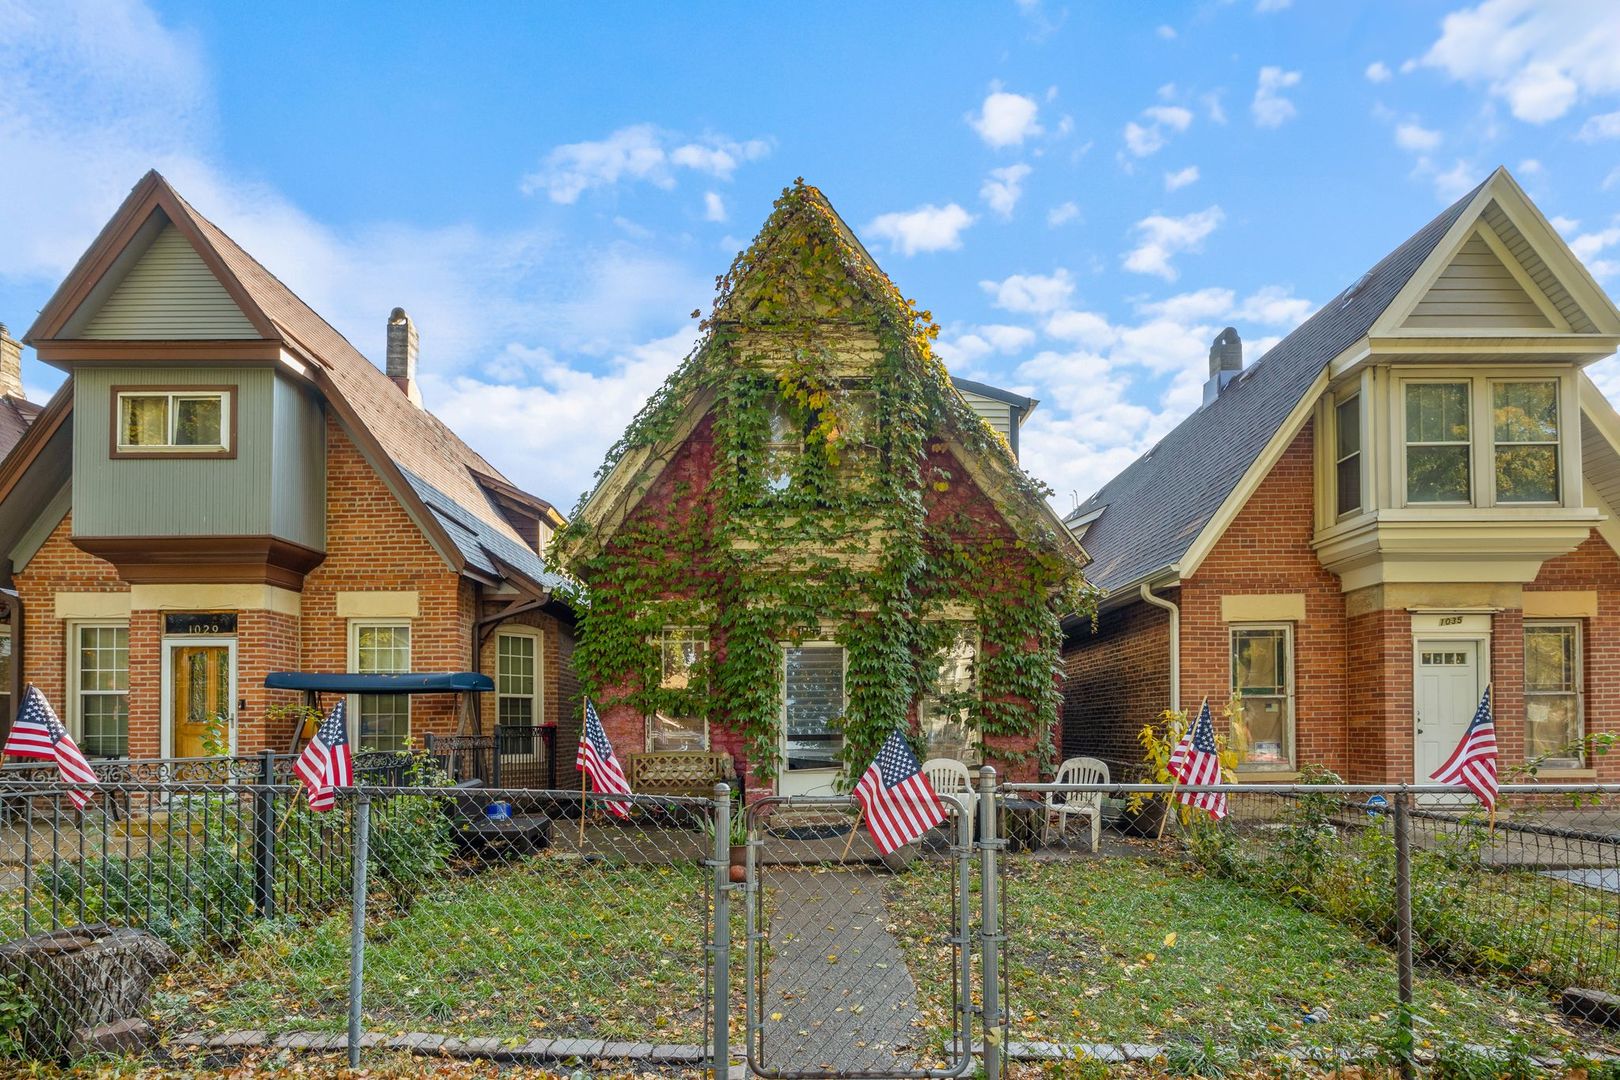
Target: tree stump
(80, 978)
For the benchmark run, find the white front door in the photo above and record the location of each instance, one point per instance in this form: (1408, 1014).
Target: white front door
(813, 704)
(1445, 695)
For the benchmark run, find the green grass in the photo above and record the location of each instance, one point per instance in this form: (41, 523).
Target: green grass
(1091, 959)
(547, 947)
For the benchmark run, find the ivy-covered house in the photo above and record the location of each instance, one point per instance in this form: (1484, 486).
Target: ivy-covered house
(809, 536)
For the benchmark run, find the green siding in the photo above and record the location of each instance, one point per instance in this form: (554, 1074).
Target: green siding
(182, 496)
(298, 466)
(169, 294)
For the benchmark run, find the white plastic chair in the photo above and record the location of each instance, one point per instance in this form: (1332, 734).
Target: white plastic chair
(947, 776)
(1076, 770)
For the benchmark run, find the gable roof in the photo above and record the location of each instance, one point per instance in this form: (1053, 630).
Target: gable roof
(804, 229)
(412, 449)
(1153, 512)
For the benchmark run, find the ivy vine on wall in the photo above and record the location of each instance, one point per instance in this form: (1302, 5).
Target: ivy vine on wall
(821, 495)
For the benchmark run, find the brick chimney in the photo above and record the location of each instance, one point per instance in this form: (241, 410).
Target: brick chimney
(10, 364)
(1225, 362)
(402, 349)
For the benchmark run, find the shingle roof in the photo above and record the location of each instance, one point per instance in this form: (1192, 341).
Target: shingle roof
(1154, 510)
(486, 549)
(15, 415)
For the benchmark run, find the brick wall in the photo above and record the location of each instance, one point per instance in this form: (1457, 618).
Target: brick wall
(1114, 682)
(373, 545)
(1378, 646)
(1266, 549)
(1594, 565)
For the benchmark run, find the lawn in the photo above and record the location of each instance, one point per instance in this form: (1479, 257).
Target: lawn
(1129, 949)
(551, 946)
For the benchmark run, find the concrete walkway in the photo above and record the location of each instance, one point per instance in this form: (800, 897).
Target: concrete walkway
(838, 995)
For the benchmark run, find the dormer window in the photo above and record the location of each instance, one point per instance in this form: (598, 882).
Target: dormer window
(1483, 441)
(1525, 418)
(1437, 443)
(193, 420)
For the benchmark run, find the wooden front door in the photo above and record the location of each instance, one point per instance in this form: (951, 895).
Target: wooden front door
(200, 688)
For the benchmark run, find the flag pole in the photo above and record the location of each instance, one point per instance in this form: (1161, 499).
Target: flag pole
(584, 780)
(860, 815)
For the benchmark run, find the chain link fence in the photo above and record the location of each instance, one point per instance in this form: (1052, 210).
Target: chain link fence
(1316, 927)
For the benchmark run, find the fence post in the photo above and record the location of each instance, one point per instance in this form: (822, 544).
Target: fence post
(495, 759)
(721, 945)
(357, 925)
(264, 837)
(990, 922)
(1403, 927)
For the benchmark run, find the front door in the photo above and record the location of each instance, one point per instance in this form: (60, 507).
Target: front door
(201, 689)
(812, 709)
(1445, 695)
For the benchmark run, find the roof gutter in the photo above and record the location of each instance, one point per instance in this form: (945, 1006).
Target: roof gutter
(1175, 642)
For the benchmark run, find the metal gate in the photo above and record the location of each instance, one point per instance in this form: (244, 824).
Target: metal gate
(830, 989)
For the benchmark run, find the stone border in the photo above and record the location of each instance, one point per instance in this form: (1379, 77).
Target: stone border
(428, 1044)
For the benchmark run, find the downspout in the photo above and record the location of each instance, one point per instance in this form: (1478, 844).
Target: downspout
(1175, 642)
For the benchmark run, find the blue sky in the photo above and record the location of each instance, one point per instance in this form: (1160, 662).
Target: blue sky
(1083, 194)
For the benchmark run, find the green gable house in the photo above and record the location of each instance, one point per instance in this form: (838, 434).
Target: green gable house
(810, 536)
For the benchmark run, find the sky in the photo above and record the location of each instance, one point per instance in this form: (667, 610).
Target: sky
(1083, 194)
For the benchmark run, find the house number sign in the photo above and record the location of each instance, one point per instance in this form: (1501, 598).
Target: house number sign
(1451, 620)
(200, 622)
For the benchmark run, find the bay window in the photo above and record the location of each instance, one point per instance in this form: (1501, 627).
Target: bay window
(1553, 720)
(1525, 421)
(1263, 692)
(1438, 443)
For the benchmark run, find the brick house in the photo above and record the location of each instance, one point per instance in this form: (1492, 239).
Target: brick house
(1410, 496)
(224, 487)
(811, 536)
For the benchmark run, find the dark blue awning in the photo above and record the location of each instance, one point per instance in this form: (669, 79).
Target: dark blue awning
(444, 682)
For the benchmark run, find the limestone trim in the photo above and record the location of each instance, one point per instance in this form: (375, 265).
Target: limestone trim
(1574, 604)
(398, 604)
(208, 597)
(1263, 607)
(73, 606)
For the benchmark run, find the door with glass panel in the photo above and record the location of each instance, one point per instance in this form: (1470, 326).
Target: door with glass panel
(812, 712)
(1445, 696)
(201, 690)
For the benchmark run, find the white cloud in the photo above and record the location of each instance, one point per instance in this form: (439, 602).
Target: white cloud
(1415, 137)
(1612, 180)
(1456, 181)
(639, 152)
(1005, 118)
(1270, 108)
(1062, 214)
(1378, 72)
(1031, 293)
(962, 350)
(1588, 247)
(1165, 31)
(1085, 328)
(1597, 128)
(1268, 6)
(1540, 56)
(1213, 107)
(1160, 238)
(1003, 188)
(1180, 178)
(1149, 138)
(927, 228)
(714, 207)
(1566, 226)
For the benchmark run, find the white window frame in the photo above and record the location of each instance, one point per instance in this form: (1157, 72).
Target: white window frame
(781, 689)
(1557, 444)
(1233, 629)
(171, 447)
(355, 626)
(538, 712)
(74, 703)
(1579, 675)
(1472, 446)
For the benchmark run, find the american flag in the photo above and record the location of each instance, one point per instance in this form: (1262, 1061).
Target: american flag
(597, 761)
(1196, 760)
(326, 762)
(39, 734)
(1473, 763)
(898, 802)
